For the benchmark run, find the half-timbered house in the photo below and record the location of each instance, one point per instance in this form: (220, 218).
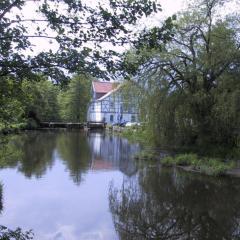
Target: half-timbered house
(108, 105)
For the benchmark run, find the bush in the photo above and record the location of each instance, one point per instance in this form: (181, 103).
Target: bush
(214, 166)
(137, 134)
(186, 159)
(31, 124)
(168, 161)
(209, 166)
(146, 155)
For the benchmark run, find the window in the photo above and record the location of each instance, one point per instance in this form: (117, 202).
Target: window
(111, 104)
(133, 118)
(111, 118)
(121, 108)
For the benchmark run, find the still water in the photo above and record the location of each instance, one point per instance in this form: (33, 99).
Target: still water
(79, 186)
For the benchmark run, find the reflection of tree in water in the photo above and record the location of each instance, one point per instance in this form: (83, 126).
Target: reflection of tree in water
(9, 153)
(165, 204)
(38, 151)
(32, 152)
(75, 153)
(1, 198)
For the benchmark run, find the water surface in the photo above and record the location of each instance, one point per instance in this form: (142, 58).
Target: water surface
(77, 186)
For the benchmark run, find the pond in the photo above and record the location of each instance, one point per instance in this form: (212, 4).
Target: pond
(72, 185)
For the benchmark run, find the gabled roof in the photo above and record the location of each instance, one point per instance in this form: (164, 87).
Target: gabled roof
(109, 93)
(103, 87)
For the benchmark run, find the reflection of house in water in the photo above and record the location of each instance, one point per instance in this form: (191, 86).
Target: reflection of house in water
(111, 152)
(99, 164)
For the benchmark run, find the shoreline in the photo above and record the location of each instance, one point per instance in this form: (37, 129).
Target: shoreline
(151, 155)
(235, 172)
(209, 167)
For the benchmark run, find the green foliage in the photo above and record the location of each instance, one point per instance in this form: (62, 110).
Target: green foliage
(31, 124)
(136, 134)
(168, 161)
(24, 93)
(77, 24)
(28, 103)
(11, 109)
(186, 159)
(40, 100)
(214, 167)
(190, 87)
(73, 102)
(209, 166)
(146, 155)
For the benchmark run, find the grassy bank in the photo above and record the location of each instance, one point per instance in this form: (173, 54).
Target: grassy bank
(204, 165)
(190, 162)
(213, 162)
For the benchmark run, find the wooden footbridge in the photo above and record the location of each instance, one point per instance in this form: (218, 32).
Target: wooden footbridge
(70, 125)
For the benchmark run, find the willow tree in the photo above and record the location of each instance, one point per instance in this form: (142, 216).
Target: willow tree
(191, 81)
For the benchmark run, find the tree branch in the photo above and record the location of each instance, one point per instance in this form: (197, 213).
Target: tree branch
(6, 10)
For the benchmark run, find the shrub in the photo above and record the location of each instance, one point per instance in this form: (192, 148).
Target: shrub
(209, 166)
(214, 166)
(186, 159)
(146, 155)
(168, 161)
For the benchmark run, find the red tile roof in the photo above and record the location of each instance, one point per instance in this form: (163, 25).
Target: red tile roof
(103, 87)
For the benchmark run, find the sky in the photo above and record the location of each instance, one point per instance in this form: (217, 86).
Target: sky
(169, 7)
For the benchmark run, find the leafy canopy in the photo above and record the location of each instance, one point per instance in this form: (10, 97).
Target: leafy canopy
(76, 27)
(190, 84)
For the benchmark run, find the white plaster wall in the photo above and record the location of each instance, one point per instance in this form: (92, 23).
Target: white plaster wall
(126, 117)
(95, 114)
(103, 110)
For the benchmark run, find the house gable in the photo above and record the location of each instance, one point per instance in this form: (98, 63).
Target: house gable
(111, 107)
(99, 89)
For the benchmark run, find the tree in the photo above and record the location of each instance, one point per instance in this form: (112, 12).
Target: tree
(40, 100)
(185, 78)
(76, 24)
(74, 101)
(78, 31)
(11, 109)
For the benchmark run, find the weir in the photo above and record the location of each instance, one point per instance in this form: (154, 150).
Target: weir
(70, 125)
